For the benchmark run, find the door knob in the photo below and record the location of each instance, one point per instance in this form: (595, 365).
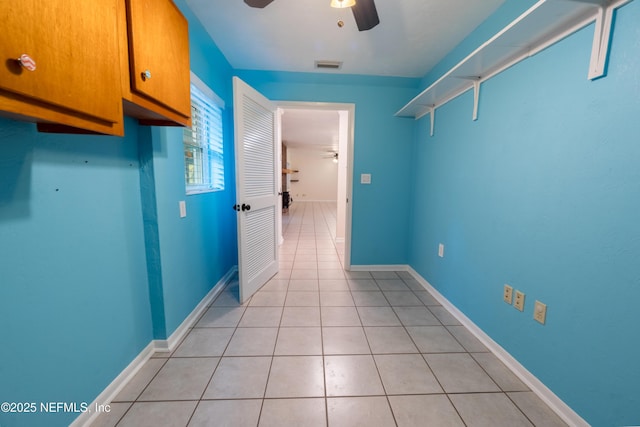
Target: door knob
(27, 62)
(246, 207)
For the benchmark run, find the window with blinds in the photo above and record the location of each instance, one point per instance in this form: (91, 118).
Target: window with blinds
(203, 143)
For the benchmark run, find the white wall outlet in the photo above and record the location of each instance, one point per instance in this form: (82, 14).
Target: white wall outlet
(365, 178)
(519, 302)
(441, 250)
(507, 295)
(183, 208)
(540, 312)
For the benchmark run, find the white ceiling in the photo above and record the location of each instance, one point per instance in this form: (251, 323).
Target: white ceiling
(290, 35)
(311, 128)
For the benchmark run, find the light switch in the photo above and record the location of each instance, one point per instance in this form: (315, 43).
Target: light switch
(183, 209)
(365, 178)
(540, 312)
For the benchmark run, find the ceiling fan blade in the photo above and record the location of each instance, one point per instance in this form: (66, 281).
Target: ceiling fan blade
(258, 3)
(365, 14)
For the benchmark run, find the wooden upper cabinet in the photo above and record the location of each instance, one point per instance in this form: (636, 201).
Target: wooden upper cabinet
(72, 44)
(155, 57)
(84, 57)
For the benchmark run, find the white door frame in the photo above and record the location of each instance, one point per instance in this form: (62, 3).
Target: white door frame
(327, 106)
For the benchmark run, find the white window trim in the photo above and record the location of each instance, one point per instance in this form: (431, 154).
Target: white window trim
(202, 86)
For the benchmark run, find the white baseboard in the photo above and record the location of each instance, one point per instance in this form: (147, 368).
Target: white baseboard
(563, 410)
(183, 329)
(112, 390)
(398, 267)
(161, 346)
(314, 201)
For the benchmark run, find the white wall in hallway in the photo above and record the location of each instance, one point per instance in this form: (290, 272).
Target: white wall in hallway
(317, 176)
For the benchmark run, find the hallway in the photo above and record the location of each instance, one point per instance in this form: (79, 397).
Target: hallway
(320, 346)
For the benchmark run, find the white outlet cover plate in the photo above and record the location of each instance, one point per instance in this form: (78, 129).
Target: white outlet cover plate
(540, 312)
(365, 178)
(519, 301)
(508, 294)
(183, 209)
(441, 250)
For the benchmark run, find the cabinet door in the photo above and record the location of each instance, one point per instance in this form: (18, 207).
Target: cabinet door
(73, 44)
(159, 53)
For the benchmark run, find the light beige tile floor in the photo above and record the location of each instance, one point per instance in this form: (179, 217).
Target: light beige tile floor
(320, 346)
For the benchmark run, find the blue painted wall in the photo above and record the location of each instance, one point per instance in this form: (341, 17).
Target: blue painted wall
(542, 192)
(379, 216)
(193, 253)
(94, 259)
(74, 305)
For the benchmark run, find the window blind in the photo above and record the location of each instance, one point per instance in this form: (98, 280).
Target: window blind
(203, 145)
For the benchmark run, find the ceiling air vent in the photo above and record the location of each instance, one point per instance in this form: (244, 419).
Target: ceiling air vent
(329, 65)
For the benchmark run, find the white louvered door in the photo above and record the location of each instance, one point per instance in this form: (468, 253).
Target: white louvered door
(256, 187)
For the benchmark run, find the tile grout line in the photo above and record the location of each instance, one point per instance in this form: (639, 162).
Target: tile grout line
(275, 344)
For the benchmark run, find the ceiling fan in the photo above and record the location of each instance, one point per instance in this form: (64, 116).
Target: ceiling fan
(331, 155)
(364, 11)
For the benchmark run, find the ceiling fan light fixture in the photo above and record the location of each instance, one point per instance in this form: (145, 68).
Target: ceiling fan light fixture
(260, 4)
(341, 4)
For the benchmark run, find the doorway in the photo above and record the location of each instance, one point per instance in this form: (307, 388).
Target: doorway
(320, 137)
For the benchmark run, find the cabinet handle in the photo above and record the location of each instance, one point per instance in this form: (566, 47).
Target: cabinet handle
(27, 62)
(146, 75)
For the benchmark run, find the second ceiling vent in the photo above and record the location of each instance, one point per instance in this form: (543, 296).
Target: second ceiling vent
(328, 65)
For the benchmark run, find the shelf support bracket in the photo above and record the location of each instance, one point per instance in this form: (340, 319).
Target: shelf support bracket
(476, 80)
(476, 98)
(432, 116)
(601, 38)
(431, 111)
